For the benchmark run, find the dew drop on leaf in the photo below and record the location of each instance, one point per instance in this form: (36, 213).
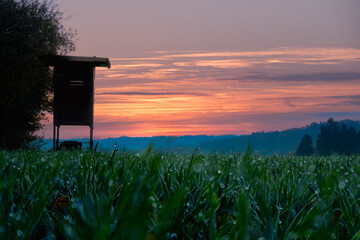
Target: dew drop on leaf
(19, 233)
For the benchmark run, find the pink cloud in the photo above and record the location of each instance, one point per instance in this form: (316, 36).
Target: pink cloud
(230, 92)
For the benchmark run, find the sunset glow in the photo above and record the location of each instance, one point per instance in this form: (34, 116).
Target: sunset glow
(217, 67)
(215, 93)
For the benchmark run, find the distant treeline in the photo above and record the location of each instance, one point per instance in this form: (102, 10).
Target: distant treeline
(333, 138)
(287, 141)
(265, 143)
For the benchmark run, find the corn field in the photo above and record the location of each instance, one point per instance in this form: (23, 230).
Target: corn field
(155, 195)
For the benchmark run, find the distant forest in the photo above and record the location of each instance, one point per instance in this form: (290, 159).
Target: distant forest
(266, 143)
(281, 142)
(334, 138)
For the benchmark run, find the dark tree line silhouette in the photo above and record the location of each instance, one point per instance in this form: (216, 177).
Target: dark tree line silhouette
(306, 146)
(27, 28)
(332, 139)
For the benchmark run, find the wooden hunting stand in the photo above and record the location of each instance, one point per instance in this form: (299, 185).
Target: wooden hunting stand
(73, 82)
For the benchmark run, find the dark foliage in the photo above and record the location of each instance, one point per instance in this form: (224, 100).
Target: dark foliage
(265, 143)
(27, 28)
(335, 138)
(306, 146)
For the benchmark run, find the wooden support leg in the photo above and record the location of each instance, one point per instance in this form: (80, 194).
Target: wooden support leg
(57, 138)
(91, 138)
(54, 138)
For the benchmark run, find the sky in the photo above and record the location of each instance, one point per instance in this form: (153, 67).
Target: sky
(217, 67)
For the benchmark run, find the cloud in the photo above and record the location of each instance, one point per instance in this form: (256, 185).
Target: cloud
(132, 65)
(310, 77)
(145, 75)
(354, 115)
(346, 97)
(328, 77)
(290, 54)
(224, 63)
(319, 101)
(186, 92)
(151, 93)
(289, 103)
(353, 100)
(281, 64)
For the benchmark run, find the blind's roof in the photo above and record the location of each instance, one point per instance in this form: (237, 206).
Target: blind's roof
(54, 60)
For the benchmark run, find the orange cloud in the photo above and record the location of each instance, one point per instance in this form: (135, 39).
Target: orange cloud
(229, 92)
(227, 63)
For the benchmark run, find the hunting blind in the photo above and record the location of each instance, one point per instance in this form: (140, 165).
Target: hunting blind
(73, 82)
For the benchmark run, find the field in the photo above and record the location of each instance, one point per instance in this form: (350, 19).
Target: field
(154, 195)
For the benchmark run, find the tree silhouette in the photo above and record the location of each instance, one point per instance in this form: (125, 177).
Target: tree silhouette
(337, 139)
(305, 147)
(326, 142)
(27, 28)
(348, 140)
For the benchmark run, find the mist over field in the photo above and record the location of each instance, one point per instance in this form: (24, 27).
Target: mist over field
(265, 143)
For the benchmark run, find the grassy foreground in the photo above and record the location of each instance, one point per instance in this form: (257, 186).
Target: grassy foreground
(79, 195)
